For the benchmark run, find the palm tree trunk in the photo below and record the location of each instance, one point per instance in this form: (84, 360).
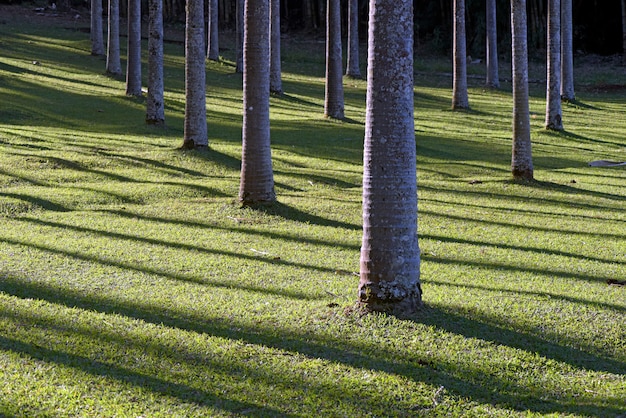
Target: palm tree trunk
(493, 78)
(213, 50)
(276, 85)
(195, 135)
(333, 103)
(459, 83)
(567, 52)
(155, 106)
(240, 6)
(97, 39)
(133, 66)
(390, 256)
(521, 159)
(352, 68)
(114, 64)
(554, 119)
(624, 30)
(257, 178)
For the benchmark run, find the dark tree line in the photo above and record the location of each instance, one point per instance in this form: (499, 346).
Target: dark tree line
(597, 23)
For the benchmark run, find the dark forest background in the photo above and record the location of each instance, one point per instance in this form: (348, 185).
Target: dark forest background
(597, 23)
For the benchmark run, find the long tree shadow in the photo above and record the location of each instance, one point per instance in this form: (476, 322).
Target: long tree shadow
(460, 379)
(294, 214)
(182, 392)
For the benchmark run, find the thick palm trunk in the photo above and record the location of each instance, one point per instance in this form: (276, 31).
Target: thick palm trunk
(333, 103)
(352, 68)
(459, 82)
(97, 39)
(521, 160)
(276, 85)
(195, 135)
(114, 64)
(133, 66)
(554, 118)
(390, 256)
(493, 78)
(213, 50)
(155, 106)
(567, 52)
(257, 178)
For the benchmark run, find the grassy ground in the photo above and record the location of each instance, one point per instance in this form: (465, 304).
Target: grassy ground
(132, 284)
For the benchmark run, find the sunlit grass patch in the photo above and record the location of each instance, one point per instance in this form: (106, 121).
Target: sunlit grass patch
(132, 283)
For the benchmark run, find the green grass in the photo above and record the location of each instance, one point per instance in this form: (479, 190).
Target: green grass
(133, 284)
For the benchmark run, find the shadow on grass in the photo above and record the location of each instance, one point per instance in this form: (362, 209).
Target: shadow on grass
(562, 188)
(459, 378)
(166, 274)
(37, 202)
(522, 199)
(293, 214)
(263, 233)
(182, 392)
(578, 104)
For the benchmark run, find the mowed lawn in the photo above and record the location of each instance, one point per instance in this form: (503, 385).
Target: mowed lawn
(133, 284)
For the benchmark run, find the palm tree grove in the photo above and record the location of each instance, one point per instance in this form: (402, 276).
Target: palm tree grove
(301, 208)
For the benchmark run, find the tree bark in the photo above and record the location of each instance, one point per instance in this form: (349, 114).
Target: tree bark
(493, 78)
(114, 64)
(97, 39)
(133, 66)
(624, 31)
(240, 6)
(567, 52)
(460, 99)
(213, 50)
(554, 117)
(276, 85)
(257, 178)
(390, 256)
(333, 103)
(521, 160)
(195, 134)
(155, 106)
(352, 67)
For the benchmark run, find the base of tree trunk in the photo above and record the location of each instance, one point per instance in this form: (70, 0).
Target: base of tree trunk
(189, 144)
(159, 123)
(523, 175)
(406, 308)
(461, 107)
(257, 198)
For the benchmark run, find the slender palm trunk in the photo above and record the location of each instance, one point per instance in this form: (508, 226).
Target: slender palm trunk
(493, 78)
(257, 178)
(239, 18)
(195, 135)
(133, 66)
(352, 67)
(114, 64)
(521, 160)
(213, 50)
(333, 103)
(567, 52)
(97, 39)
(155, 106)
(276, 84)
(459, 88)
(624, 30)
(390, 256)
(554, 118)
